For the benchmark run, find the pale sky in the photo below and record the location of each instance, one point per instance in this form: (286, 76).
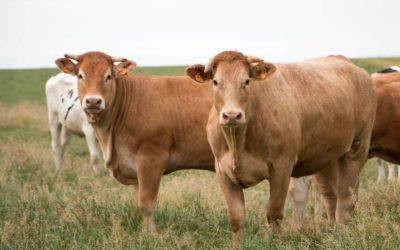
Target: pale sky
(36, 32)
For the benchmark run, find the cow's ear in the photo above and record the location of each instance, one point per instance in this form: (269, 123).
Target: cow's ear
(196, 72)
(66, 66)
(262, 70)
(125, 67)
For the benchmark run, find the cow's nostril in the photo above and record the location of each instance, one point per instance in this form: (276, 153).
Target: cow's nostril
(87, 101)
(225, 116)
(98, 101)
(239, 115)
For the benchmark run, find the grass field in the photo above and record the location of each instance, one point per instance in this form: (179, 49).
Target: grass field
(76, 209)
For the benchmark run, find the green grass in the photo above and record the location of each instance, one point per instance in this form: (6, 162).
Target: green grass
(28, 84)
(375, 64)
(76, 209)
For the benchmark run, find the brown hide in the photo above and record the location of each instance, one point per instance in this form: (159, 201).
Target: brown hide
(385, 140)
(147, 126)
(161, 113)
(315, 116)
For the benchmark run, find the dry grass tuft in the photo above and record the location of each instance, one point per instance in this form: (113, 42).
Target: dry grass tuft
(23, 112)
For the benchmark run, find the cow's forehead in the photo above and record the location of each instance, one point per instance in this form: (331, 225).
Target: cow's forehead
(231, 69)
(94, 63)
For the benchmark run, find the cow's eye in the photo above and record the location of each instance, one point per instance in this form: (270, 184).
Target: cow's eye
(108, 77)
(80, 77)
(247, 82)
(215, 83)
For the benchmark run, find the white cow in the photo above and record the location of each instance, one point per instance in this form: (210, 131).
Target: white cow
(391, 171)
(298, 193)
(66, 117)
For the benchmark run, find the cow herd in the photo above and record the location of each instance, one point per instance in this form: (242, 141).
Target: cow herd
(240, 116)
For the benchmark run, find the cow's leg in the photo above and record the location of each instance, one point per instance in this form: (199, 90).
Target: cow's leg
(279, 184)
(136, 195)
(298, 191)
(150, 163)
(91, 142)
(398, 173)
(326, 185)
(350, 166)
(65, 137)
(234, 198)
(391, 172)
(381, 171)
(55, 131)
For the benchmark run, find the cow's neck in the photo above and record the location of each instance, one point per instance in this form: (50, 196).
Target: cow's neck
(235, 139)
(112, 119)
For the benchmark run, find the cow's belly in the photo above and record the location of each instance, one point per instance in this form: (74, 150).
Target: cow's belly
(73, 120)
(179, 160)
(246, 171)
(314, 161)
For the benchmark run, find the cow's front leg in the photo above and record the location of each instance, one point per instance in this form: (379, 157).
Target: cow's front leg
(55, 131)
(150, 163)
(65, 138)
(279, 178)
(136, 195)
(234, 198)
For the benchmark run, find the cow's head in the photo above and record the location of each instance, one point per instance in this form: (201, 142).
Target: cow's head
(96, 74)
(232, 75)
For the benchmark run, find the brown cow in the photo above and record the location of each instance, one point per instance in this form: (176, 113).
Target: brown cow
(275, 121)
(385, 140)
(147, 125)
(386, 132)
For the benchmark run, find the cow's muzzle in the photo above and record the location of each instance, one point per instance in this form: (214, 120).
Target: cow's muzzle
(93, 104)
(232, 119)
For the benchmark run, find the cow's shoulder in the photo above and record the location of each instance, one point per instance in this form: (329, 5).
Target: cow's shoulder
(339, 57)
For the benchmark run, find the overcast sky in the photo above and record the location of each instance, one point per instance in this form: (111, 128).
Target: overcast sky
(36, 32)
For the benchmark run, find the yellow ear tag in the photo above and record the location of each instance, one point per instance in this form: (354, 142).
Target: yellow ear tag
(263, 75)
(199, 78)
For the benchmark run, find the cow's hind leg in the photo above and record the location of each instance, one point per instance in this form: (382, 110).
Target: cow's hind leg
(391, 172)
(350, 166)
(326, 185)
(381, 171)
(398, 173)
(298, 191)
(150, 163)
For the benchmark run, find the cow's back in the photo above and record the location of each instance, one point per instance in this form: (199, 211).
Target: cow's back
(383, 78)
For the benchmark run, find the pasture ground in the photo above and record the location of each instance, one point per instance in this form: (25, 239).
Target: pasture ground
(76, 209)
